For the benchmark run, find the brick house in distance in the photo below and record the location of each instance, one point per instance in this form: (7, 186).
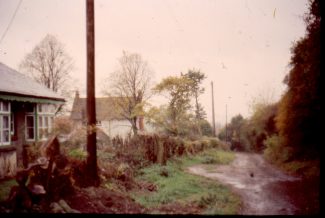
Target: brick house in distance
(27, 109)
(108, 116)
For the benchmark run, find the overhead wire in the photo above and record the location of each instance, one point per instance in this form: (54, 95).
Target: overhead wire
(10, 23)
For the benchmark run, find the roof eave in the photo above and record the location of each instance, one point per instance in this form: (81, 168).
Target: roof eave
(3, 93)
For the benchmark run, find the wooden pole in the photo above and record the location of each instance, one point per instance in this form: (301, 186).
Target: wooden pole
(213, 118)
(226, 126)
(93, 178)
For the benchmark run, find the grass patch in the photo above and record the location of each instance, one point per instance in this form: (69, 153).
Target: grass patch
(210, 156)
(178, 186)
(5, 188)
(306, 169)
(78, 153)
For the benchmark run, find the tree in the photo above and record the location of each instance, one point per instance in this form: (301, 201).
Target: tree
(261, 125)
(206, 128)
(299, 117)
(197, 77)
(131, 83)
(178, 90)
(161, 118)
(48, 63)
(236, 133)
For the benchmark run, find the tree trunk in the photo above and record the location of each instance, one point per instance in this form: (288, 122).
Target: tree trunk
(134, 126)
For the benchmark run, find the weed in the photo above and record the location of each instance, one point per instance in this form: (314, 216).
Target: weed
(78, 154)
(182, 187)
(5, 188)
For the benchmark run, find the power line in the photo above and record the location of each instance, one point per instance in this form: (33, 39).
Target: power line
(12, 19)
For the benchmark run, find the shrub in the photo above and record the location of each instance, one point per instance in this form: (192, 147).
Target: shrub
(275, 151)
(214, 143)
(62, 125)
(78, 138)
(78, 153)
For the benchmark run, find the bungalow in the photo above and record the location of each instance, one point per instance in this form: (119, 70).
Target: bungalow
(108, 116)
(27, 109)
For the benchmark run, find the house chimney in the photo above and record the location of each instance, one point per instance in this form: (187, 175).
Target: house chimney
(77, 94)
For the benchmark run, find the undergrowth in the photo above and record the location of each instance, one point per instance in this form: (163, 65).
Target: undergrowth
(176, 185)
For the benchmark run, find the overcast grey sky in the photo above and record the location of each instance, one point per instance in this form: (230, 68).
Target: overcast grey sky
(243, 46)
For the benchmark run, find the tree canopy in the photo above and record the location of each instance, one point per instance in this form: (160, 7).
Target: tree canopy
(48, 63)
(131, 82)
(197, 77)
(299, 114)
(178, 91)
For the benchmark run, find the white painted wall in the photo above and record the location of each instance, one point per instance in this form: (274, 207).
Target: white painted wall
(116, 127)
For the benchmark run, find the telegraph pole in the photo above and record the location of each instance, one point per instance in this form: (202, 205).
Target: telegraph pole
(92, 174)
(226, 125)
(213, 119)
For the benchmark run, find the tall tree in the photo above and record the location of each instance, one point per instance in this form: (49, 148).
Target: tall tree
(197, 78)
(178, 91)
(48, 63)
(299, 117)
(132, 83)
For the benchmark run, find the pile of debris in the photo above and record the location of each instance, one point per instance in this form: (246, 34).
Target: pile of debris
(46, 180)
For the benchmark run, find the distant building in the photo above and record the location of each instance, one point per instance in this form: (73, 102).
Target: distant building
(27, 109)
(108, 116)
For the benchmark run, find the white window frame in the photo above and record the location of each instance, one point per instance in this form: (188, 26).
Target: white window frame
(43, 112)
(5, 114)
(26, 127)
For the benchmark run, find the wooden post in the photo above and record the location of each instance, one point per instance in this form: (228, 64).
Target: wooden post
(226, 126)
(92, 173)
(213, 119)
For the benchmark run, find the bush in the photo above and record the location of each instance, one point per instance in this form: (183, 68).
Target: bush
(62, 125)
(78, 138)
(206, 128)
(214, 143)
(275, 151)
(78, 153)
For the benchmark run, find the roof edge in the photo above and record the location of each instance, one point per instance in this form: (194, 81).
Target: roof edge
(32, 96)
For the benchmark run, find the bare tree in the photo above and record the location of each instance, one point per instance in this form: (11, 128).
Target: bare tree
(48, 63)
(131, 83)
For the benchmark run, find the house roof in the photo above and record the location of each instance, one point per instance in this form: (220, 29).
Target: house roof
(17, 86)
(107, 108)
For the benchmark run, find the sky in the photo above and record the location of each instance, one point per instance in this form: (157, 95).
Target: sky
(243, 46)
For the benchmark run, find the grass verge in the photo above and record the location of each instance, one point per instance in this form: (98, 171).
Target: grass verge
(5, 188)
(176, 185)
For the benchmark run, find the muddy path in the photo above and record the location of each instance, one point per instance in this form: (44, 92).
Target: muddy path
(261, 186)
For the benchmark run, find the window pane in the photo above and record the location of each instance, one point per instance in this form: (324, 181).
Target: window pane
(12, 127)
(51, 123)
(30, 133)
(5, 136)
(30, 121)
(52, 108)
(46, 123)
(5, 106)
(5, 122)
(41, 133)
(46, 132)
(40, 123)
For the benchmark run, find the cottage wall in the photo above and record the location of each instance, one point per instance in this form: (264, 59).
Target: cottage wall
(116, 127)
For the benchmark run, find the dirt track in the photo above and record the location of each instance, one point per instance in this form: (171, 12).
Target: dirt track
(261, 186)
